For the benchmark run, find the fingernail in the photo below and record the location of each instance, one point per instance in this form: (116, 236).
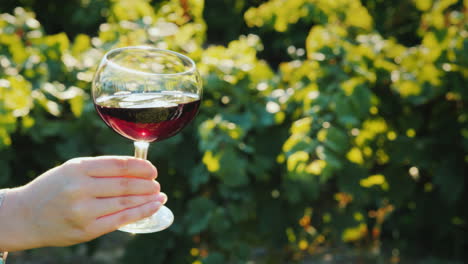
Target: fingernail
(157, 186)
(162, 197)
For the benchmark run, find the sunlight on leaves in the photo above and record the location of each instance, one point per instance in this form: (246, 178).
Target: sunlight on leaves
(423, 5)
(301, 126)
(354, 233)
(370, 129)
(374, 180)
(355, 155)
(297, 161)
(408, 88)
(316, 167)
(358, 16)
(211, 161)
(349, 85)
(81, 44)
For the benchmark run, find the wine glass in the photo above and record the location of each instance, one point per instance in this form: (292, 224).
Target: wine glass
(146, 94)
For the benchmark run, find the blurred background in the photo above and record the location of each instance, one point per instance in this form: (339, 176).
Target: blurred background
(330, 131)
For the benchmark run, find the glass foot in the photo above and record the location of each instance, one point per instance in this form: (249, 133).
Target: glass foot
(161, 220)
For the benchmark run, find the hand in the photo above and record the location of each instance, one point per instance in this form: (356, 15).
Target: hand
(78, 201)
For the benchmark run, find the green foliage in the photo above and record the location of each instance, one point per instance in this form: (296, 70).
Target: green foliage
(357, 139)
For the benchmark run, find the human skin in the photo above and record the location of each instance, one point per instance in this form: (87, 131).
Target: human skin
(78, 201)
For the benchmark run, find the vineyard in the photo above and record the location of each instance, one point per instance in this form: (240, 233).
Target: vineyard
(328, 130)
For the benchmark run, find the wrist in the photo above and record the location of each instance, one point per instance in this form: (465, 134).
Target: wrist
(15, 229)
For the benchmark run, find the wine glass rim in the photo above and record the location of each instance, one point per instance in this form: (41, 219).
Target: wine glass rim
(182, 56)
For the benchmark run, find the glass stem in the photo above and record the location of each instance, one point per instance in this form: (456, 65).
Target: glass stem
(141, 149)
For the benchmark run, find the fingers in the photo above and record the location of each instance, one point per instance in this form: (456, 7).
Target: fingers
(107, 206)
(111, 222)
(118, 166)
(122, 186)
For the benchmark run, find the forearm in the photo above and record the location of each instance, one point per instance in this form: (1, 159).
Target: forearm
(15, 232)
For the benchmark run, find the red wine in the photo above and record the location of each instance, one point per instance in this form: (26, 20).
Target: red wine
(148, 116)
